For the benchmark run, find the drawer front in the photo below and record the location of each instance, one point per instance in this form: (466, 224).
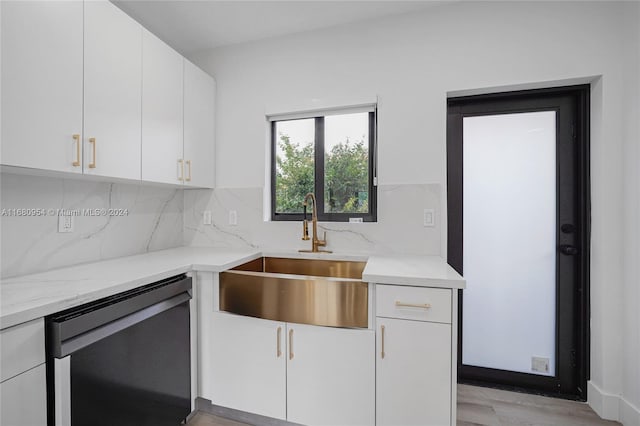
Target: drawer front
(413, 303)
(22, 348)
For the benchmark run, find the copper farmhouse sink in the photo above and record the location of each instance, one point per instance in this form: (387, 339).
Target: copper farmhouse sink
(307, 291)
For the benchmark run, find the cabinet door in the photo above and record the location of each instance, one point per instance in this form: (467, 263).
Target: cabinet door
(413, 379)
(330, 376)
(112, 91)
(248, 371)
(199, 138)
(24, 398)
(162, 102)
(41, 84)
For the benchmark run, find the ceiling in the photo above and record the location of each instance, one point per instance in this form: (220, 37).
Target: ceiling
(190, 26)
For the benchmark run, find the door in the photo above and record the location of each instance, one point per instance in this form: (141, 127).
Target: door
(413, 377)
(199, 102)
(112, 91)
(162, 111)
(518, 232)
(42, 84)
(248, 364)
(330, 376)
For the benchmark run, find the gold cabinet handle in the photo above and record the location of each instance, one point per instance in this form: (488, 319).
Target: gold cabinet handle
(181, 170)
(382, 341)
(413, 305)
(188, 178)
(76, 139)
(278, 350)
(291, 344)
(92, 165)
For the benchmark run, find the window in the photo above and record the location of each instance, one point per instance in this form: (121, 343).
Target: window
(331, 155)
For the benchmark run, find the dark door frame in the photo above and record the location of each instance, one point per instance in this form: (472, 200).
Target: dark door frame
(572, 98)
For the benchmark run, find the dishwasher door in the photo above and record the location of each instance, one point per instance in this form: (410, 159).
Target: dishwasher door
(131, 370)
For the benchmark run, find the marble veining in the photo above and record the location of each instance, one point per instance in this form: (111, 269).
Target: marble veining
(32, 244)
(399, 228)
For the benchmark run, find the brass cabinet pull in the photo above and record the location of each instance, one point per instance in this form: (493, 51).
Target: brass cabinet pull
(413, 305)
(382, 338)
(279, 351)
(76, 138)
(291, 344)
(92, 165)
(181, 170)
(188, 178)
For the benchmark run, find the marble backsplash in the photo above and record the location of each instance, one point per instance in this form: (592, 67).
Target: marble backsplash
(399, 228)
(154, 221)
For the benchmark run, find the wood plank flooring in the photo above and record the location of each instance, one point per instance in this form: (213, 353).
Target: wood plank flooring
(479, 406)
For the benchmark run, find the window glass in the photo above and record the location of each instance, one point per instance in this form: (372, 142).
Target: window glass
(295, 175)
(346, 163)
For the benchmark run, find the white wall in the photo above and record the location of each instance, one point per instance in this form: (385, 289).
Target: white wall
(411, 62)
(631, 223)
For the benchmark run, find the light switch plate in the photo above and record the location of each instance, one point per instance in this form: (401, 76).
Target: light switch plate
(233, 217)
(429, 217)
(65, 223)
(206, 217)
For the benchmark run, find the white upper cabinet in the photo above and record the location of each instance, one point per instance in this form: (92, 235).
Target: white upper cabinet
(199, 137)
(112, 91)
(86, 89)
(41, 84)
(162, 111)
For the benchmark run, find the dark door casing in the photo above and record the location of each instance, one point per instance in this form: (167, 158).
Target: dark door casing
(571, 104)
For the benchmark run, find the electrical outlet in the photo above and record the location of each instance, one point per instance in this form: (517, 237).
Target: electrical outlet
(65, 223)
(206, 217)
(233, 217)
(539, 364)
(429, 217)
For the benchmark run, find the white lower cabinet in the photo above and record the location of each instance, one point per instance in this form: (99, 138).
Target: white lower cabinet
(413, 373)
(301, 373)
(249, 373)
(330, 375)
(24, 398)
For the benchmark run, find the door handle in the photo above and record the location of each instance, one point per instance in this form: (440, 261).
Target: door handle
(92, 165)
(568, 250)
(76, 139)
(291, 344)
(278, 348)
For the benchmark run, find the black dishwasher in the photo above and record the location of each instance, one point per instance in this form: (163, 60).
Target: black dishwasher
(123, 360)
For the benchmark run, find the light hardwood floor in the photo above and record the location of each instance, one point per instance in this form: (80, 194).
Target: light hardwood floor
(479, 406)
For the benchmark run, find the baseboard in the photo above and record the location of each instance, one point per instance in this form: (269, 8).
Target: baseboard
(629, 414)
(612, 407)
(240, 416)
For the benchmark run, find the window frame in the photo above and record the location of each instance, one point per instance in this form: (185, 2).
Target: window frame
(319, 166)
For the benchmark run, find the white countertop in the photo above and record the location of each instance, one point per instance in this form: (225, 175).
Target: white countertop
(28, 297)
(423, 271)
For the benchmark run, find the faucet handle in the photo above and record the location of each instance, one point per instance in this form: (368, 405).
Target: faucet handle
(323, 241)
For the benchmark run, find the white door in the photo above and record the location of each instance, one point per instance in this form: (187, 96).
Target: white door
(199, 137)
(330, 376)
(42, 84)
(24, 398)
(162, 109)
(413, 379)
(248, 364)
(112, 91)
